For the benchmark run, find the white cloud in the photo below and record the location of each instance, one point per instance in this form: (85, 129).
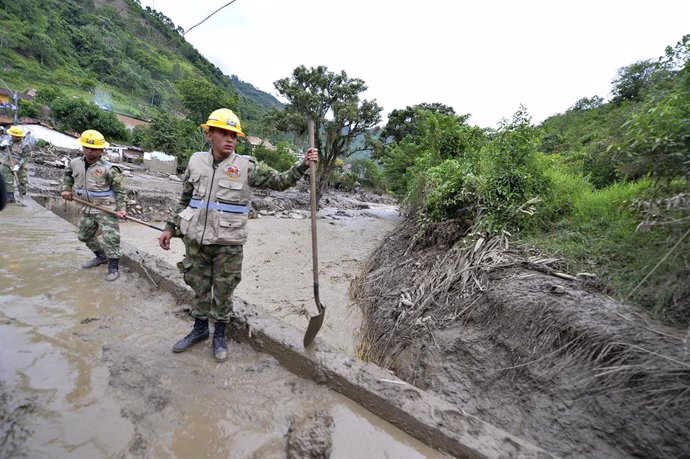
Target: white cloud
(483, 58)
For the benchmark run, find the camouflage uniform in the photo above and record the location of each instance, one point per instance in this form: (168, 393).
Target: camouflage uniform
(212, 215)
(15, 154)
(101, 184)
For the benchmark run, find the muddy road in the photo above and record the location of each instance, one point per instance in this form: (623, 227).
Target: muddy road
(86, 370)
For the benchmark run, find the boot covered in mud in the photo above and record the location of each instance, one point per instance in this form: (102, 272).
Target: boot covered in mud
(199, 333)
(97, 261)
(220, 347)
(113, 269)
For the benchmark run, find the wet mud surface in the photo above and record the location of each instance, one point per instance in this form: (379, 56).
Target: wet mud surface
(86, 370)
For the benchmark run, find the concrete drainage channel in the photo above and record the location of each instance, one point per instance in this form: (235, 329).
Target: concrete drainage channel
(422, 415)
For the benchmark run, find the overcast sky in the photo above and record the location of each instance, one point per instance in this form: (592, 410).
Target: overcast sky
(484, 58)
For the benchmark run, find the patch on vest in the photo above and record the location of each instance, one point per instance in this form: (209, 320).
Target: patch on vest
(99, 171)
(233, 171)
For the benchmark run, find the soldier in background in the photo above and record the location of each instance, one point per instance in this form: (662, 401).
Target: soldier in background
(13, 158)
(99, 182)
(212, 216)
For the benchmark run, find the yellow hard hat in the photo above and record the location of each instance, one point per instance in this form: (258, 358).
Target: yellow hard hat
(93, 139)
(224, 118)
(16, 131)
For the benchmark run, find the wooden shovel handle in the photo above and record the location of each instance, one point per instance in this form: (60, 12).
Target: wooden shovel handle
(314, 210)
(112, 212)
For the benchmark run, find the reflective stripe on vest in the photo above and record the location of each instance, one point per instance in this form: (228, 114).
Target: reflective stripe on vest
(221, 206)
(95, 194)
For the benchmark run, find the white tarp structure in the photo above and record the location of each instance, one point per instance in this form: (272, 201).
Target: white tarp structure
(161, 162)
(56, 138)
(159, 155)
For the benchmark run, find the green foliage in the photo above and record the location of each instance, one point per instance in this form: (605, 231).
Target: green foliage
(29, 108)
(201, 98)
(170, 135)
(368, 173)
(656, 139)
(137, 54)
(632, 81)
(513, 180)
(452, 187)
(71, 114)
(596, 231)
(437, 137)
(492, 182)
(402, 123)
(280, 159)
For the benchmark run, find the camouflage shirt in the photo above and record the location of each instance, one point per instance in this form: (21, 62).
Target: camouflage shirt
(260, 175)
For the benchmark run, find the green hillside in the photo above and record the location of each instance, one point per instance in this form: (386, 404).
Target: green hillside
(117, 54)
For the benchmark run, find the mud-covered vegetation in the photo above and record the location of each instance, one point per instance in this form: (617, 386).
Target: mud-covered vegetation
(504, 333)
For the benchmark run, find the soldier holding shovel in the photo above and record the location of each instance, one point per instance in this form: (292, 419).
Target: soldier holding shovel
(13, 158)
(99, 182)
(212, 216)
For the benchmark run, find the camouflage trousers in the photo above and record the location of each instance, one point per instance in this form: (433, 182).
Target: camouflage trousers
(213, 272)
(10, 182)
(89, 223)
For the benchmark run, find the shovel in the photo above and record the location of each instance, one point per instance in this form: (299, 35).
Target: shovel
(112, 212)
(316, 321)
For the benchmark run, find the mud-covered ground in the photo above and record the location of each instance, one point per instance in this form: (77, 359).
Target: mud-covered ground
(86, 370)
(494, 329)
(545, 355)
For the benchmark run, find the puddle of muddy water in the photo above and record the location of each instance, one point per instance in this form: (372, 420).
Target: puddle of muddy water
(90, 364)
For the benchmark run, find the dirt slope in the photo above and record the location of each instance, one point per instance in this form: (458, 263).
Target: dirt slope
(549, 358)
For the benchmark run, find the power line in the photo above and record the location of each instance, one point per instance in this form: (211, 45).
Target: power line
(204, 20)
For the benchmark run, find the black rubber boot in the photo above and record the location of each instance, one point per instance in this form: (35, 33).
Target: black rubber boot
(199, 333)
(113, 269)
(220, 348)
(99, 260)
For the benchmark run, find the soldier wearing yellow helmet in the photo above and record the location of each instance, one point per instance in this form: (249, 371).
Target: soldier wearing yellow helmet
(99, 182)
(13, 159)
(212, 216)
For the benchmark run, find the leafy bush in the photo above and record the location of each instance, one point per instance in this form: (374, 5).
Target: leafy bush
(72, 114)
(368, 173)
(280, 159)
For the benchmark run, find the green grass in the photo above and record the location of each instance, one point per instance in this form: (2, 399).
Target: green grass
(595, 231)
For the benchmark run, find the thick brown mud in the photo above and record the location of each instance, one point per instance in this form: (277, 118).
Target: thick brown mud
(86, 370)
(277, 273)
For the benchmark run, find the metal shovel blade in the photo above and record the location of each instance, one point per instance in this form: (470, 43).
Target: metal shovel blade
(314, 326)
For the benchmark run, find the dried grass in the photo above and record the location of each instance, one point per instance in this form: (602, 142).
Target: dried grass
(408, 291)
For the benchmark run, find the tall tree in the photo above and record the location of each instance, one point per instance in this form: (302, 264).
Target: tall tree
(632, 81)
(403, 122)
(333, 101)
(201, 98)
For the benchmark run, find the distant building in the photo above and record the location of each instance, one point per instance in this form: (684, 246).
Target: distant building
(130, 122)
(257, 141)
(6, 96)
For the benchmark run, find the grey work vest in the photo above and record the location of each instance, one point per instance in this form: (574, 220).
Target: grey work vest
(14, 149)
(219, 208)
(93, 184)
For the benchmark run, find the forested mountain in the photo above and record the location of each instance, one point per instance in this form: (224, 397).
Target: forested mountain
(135, 59)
